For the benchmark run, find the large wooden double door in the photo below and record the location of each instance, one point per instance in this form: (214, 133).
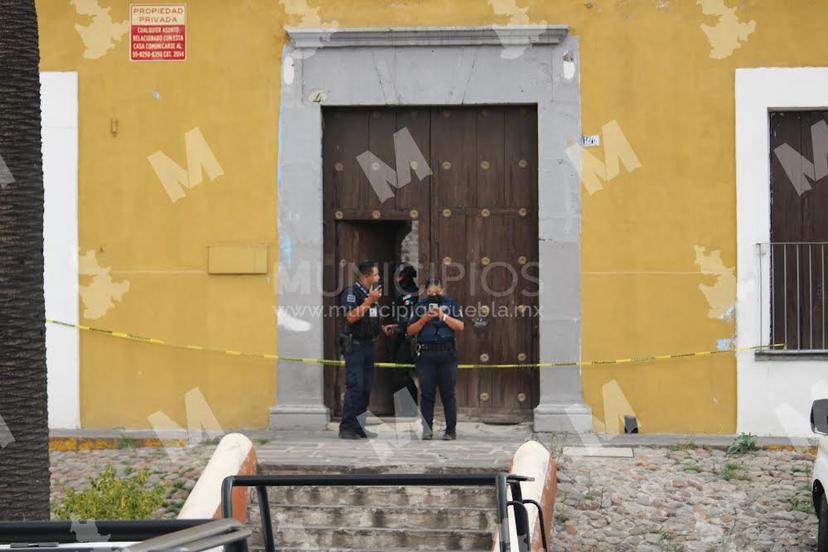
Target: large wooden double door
(469, 216)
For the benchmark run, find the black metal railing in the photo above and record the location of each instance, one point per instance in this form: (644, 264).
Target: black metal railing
(147, 535)
(226, 533)
(794, 287)
(500, 481)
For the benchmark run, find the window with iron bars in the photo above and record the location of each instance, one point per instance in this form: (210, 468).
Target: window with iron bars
(794, 271)
(795, 288)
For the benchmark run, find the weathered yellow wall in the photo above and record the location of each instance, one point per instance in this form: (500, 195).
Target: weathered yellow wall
(645, 64)
(229, 89)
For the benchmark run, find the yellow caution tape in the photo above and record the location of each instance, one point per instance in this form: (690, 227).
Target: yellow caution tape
(326, 362)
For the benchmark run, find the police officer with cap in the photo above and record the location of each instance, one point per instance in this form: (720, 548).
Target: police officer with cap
(436, 319)
(402, 312)
(361, 328)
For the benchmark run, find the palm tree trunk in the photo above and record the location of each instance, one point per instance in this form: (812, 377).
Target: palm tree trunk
(24, 432)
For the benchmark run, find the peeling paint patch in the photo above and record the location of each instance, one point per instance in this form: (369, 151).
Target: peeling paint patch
(101, 34)
(517, 16)
(509, 8)
(721, 296)
(100, 295)
(308, 17)
(729, 33)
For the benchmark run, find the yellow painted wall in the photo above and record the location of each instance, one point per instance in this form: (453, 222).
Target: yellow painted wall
(645, 64)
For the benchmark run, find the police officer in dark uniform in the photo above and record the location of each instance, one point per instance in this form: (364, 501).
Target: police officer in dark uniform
(361, 328)
(436, 319)
(402, 312)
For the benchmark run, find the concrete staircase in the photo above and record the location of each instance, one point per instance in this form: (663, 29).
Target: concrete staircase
(393, 519)
(380, 518)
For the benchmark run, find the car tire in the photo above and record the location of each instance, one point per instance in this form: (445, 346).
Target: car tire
(822, 537)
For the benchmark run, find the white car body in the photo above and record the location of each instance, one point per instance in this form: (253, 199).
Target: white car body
(819, 479)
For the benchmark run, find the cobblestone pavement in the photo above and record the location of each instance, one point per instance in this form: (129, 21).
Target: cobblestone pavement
(686, 499)
(682, 498)
(178, 472)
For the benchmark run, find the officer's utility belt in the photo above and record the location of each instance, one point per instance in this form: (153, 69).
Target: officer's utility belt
(435, 347)
(347, 342)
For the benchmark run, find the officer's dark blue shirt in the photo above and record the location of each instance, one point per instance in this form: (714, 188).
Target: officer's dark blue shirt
(437, 331)
(367, 327)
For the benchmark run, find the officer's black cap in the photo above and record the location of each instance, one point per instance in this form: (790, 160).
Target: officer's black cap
(407, 272)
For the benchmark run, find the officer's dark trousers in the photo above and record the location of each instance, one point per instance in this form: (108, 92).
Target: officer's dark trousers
(359, 377)
(438, 370)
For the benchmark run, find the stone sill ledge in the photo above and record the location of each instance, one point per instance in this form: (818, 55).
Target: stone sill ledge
(490, 35)
(787, 355)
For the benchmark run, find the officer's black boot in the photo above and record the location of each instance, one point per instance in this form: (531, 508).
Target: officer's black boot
(348, 434)
(450, 435)
(428, 434)
(367, 434)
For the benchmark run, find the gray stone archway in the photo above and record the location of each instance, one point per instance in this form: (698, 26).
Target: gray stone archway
(535, 64)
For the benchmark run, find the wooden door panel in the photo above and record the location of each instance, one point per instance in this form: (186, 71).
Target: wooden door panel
(415, 195)
(453, 155)
(490, 169)
(348, 134)
(381, 127)
(521, 157)
(478, 211)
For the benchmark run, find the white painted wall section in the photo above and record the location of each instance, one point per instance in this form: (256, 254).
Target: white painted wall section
(59, 107)
(774, 397)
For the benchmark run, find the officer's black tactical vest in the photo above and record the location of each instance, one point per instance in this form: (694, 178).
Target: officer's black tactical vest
(367, 327)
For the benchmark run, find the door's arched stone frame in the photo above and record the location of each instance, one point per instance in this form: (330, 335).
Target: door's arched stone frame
(531, 64)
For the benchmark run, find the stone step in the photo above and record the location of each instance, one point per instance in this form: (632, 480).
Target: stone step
(327, 538)
(385, 517)
(424, 497)
(260, 548)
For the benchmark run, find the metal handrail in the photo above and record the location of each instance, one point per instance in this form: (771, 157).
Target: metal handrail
(537, 505)
(222, 532)
(117, 531)
(500, 480)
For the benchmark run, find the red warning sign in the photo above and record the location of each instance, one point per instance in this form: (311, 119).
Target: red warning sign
(157, 32)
